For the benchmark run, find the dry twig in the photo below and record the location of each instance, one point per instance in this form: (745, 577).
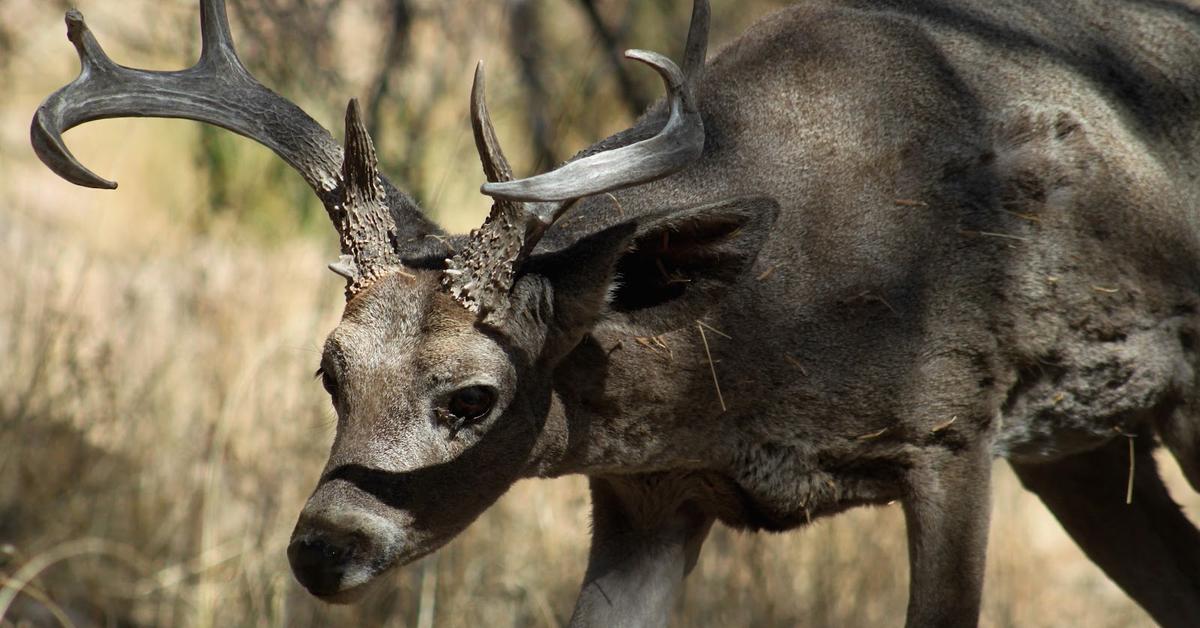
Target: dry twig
(1129, 485)
(1022, 215)
(654, 343)
(993, 234)
(867, 295)
(711, 367)
(714, 330)
(796, 363)
(620, 209)
(873, 435)
(941, 427)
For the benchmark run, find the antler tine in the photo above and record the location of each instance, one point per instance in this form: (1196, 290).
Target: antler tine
(696, 49)
(51, 118)
(679, 142)
(216, 40)
(360, 174)
(495, 165)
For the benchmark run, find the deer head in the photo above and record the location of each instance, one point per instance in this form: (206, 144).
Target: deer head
(441, 368)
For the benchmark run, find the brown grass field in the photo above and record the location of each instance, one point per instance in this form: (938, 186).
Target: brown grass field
(160, 427)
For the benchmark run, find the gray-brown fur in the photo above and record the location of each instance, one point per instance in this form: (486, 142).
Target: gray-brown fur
(922, 234)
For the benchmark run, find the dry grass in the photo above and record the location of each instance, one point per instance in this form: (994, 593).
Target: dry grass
(160, 429)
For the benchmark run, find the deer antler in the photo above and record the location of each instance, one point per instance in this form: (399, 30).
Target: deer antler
(365, 228)
(482, 273)
(676, 145)
(218, 90)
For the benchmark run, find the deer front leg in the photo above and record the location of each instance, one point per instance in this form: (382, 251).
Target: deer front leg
(645, 540)
(1147, 546)
(946, 511)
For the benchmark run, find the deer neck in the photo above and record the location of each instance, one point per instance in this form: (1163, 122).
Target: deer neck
(615, 406)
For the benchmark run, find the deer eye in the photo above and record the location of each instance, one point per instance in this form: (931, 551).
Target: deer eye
(470, 403)
(327, 382)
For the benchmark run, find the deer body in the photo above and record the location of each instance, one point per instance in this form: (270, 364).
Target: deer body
(920, 235)
(954, 234)
(876, 335)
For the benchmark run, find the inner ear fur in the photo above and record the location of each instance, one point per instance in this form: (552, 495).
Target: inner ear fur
(652, 274)
(680, 263)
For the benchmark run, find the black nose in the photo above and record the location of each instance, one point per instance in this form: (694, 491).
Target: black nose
(318, 564)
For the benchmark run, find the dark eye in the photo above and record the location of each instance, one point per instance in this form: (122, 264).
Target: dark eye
(327, 382)
(470, 403)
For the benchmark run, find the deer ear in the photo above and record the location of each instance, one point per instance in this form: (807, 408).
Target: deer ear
(661, 271)
(683, 262)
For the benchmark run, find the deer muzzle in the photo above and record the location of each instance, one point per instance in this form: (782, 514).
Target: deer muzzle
(337, 548)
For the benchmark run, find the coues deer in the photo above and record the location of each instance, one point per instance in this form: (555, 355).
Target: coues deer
(884, 242)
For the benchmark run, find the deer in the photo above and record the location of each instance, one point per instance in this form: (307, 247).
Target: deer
(857, 256)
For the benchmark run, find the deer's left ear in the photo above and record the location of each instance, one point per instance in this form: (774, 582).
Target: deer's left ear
(661, 271)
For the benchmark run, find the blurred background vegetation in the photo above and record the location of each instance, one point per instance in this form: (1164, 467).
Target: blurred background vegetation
(159, 427)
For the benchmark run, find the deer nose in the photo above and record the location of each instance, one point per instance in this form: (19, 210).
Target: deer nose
(319, 563)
